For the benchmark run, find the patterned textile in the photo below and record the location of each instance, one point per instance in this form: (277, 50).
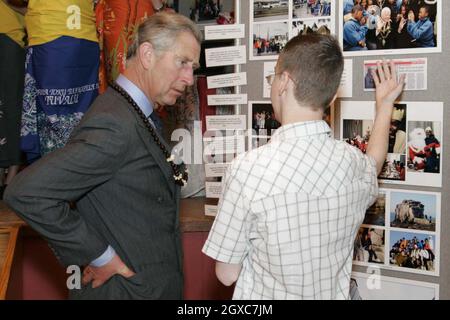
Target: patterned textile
(117, 20)
(61, 82)
(289, 213)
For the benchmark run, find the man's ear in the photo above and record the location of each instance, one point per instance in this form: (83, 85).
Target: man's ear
(146, 54)
(283, 83)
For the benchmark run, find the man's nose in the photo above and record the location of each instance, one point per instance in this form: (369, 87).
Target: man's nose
(188, 77)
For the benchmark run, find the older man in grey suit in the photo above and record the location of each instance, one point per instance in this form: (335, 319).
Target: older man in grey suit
(108, 200)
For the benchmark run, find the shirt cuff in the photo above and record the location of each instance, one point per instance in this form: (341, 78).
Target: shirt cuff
(104, 258)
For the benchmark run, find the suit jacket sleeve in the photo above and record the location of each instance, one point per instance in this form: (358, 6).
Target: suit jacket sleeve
(41, 193)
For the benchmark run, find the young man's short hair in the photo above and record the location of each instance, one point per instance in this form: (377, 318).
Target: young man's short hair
(315, 62)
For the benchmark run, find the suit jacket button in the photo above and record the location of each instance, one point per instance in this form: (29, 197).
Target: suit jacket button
(160, 199)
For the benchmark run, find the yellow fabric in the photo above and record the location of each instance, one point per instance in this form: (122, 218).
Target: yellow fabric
(48, 20)
(12, 23)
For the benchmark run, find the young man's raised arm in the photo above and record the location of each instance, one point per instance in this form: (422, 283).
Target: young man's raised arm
(388, 89)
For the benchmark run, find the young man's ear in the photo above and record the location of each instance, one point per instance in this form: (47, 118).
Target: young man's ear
(283, 82)
(146, 54)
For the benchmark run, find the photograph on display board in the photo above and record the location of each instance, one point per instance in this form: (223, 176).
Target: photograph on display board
(414, 210)
(394, 168)
(320, 26)
(263, 119)
(397, 130)
(271, 25)
(311, 8)
(413, 252)
(424, 147)
(373, 286)
(390, 26)
(205, 11)
(269, 39)
(376, 214)
(264, 10)
(415, 147)
(357, 133)
(369, 246)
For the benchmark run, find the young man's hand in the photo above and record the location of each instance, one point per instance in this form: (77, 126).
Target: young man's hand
(388, 88)
(100, 275)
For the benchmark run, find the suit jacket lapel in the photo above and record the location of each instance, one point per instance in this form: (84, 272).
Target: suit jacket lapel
(156, 153)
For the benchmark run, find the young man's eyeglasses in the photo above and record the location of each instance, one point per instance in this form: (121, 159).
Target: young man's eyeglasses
(271, 77)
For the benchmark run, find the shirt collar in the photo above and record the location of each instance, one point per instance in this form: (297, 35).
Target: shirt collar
(300, 130)
(138, 96)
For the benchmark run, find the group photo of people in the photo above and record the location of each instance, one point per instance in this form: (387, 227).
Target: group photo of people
(394, 167)
(389, 24)
(269, 38)
(311, 8)
(357, 133)
(263, 120)
(424, 147)
(412, 250)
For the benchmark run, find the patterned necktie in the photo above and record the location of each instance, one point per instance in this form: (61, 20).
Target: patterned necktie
(157, 122)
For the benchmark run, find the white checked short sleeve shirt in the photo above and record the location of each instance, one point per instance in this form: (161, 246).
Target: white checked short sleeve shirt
(289, 213)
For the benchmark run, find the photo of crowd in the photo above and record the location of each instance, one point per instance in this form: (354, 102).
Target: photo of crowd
(320, 26)
(413, 211)
(394, 167)
(311, 8)
(269, 38)
(264, 10)
(413, 251)
(389, 24)
(369, 246)
(357, 133)
(424, 147)
(375, 215)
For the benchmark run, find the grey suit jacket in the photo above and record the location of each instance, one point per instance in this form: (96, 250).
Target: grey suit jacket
(125, 197)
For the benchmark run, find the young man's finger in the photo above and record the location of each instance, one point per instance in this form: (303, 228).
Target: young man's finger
(387, 71)
(380, 71)
(375, 77)
(393, 70)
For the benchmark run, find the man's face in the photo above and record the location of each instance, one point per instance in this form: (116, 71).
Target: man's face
(423, 13)
(358, 15)
(173, 70)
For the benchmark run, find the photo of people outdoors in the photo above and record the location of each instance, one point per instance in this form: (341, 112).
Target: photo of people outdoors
(321, 26)
(369, 246)
(311, 8)
(375, 215)
(413, 211)
(424, 147)
(269, 38)
(371, 25)
(264, 10)
(357, 133)
(413, 251)
(394, 167)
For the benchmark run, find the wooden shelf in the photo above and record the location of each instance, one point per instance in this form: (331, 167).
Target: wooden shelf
(8, 239)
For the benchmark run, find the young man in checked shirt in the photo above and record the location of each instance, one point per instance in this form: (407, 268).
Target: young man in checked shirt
(290, 210)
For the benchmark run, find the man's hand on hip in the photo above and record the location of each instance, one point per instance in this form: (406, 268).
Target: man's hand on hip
(99, 275)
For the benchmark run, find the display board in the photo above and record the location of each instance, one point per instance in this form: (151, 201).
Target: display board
(428, 76)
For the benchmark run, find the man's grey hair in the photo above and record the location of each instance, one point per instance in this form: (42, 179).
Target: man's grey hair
(162, 30)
